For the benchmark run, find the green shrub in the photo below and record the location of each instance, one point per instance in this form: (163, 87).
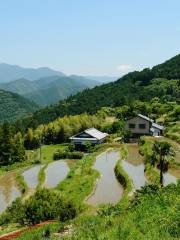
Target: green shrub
(88, 146)
(67, 155)
(71, 147)
(43, 205)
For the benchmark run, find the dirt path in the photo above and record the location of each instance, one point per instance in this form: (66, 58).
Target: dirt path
(19, 232)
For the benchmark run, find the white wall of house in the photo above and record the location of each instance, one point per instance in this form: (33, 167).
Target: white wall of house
(83, 141)
(156, 132)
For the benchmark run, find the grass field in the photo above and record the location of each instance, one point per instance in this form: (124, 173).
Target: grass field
(47, 152)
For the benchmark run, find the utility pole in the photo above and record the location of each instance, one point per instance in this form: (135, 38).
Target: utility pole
(40, 151)
(41, 142)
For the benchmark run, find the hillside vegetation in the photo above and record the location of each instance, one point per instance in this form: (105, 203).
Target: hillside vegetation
(161, 81)
(13, 106)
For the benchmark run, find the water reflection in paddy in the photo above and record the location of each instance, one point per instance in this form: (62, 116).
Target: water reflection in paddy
(136, 173)
(108, 189)
(134, 166)
(31, 176)
(56, 172)
(134, 157)
(168, 178)
(8, 190)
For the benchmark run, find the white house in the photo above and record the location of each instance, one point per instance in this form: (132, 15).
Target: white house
(91, 135)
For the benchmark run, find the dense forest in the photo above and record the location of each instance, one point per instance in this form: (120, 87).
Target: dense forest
(161, 81)
(13, 106)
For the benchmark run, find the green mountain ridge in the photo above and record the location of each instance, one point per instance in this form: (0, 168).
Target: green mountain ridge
(14, 106)
(138, 85)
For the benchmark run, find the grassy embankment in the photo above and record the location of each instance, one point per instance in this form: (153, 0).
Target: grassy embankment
(152, 214)
(21, 183)
(121, 175)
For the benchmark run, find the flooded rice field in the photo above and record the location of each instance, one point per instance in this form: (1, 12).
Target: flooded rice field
(169, 178)
(136, 173)
(134, 166)
(31, 176)
(108, 189)
(8, 190)
(55, 173)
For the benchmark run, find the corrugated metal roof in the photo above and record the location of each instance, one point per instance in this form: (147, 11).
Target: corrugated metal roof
(146, 118)
(155, 125)
(96, 133)
(93, 132)
(83, 139)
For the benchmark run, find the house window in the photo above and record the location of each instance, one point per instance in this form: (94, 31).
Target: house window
(142, 126)
(132, 125)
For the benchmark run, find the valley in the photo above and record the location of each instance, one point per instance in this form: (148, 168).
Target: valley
(78, 169)
(89, 120)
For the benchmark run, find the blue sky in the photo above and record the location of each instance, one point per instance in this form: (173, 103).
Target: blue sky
(97, 37)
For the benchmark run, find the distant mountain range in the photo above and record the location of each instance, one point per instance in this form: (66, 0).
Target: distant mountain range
(44, 86)
(48, 90)
(12, 72)
(103, 79)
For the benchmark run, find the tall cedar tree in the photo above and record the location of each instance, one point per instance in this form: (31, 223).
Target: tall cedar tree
(6, 149)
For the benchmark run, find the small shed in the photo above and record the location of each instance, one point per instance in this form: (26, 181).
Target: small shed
(156, 129)
(91, 135)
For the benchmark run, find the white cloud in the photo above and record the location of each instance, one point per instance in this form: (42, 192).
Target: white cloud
(124, 68)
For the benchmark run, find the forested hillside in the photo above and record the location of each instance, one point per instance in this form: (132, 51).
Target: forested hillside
(13, 106)
(161, 81)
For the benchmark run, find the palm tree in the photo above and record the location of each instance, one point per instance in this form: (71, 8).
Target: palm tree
(161, 152)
